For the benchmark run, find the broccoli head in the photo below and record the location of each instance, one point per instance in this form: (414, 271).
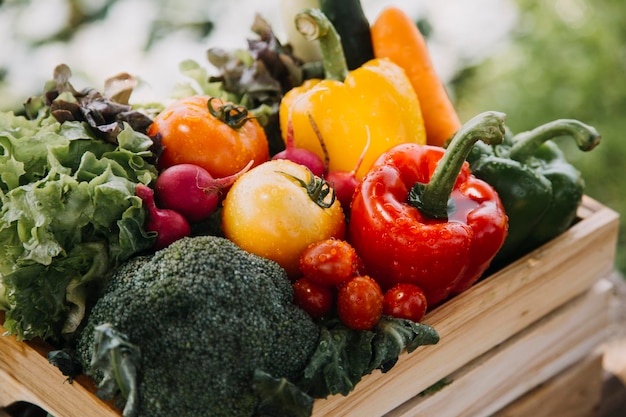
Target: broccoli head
(204, 316)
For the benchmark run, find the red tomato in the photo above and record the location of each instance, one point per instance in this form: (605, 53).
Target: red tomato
(360, 303)
(329, 262)
(317, 300)
(406, 301)
(215, 135)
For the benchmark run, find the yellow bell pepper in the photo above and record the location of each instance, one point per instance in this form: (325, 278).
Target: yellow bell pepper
(371, 108)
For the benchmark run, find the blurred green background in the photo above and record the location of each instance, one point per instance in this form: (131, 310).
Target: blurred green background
(535, 60)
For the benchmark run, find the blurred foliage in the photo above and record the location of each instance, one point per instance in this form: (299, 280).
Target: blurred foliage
(566, 59)
(79, 16)
(82, 13)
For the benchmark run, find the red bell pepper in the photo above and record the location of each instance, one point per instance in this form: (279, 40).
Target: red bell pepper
(420, 216)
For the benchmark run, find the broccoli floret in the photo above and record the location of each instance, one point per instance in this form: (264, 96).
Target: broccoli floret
(205, 315)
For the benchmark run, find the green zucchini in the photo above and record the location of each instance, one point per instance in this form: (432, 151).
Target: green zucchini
(349, 20)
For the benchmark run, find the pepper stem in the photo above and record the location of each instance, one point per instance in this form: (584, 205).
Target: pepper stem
(525, 144)
(314, 25)
(433, 199)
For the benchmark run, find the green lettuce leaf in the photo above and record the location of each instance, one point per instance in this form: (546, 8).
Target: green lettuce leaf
(69, 214)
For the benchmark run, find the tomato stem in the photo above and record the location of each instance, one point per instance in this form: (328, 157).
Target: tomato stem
(233, 115)
(317, 188)
(433, 199)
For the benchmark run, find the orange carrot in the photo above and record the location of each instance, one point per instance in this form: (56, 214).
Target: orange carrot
(396, 37)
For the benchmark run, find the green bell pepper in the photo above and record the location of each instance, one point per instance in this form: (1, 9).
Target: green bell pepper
(539, 188)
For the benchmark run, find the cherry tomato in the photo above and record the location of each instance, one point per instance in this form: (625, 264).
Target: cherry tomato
(278, 209)
(329, 262)
(406, 301)
(317, 300)
(215, 135)
(360, 303)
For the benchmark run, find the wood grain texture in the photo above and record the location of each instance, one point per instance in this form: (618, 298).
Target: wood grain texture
(26, 375)
(576, 392)
(553, 344)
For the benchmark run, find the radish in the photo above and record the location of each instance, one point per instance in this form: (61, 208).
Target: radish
(168, 224)
(344, 183)
(300, 155)
(191, 190)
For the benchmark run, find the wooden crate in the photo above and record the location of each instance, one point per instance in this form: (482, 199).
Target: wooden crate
(533, 356)
(26, 375)
(538, 293)
(575, 392)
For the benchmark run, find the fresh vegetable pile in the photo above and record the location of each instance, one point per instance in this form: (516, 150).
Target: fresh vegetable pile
(273, 233)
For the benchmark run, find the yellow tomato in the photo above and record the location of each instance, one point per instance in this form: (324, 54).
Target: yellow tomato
(277, 209)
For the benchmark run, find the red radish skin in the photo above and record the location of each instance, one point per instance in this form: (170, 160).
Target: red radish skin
(191, 190)
(168, 224)
(299, 155)
(344, 183)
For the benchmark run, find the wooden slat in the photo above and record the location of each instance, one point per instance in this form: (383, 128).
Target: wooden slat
(576, 392)
(533, 356)
(26, 375)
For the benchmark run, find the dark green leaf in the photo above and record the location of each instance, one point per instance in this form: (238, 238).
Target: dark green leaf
(67, 362)
(280, 398)
(342, 358)
(344, 355)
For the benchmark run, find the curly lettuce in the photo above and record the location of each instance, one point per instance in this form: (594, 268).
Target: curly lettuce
(69, 214)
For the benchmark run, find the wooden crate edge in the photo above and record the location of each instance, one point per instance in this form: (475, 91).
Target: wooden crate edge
(535, 355)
